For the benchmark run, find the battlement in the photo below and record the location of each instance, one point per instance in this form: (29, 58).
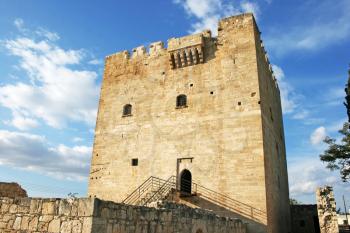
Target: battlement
(189, 40)
(190, 50)
(175, 45)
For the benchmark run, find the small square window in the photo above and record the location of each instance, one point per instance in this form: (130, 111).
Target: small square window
(134, 162)
(239, 103)
(211, 92)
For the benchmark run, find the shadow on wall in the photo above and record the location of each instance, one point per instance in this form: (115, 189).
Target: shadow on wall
(252, 216)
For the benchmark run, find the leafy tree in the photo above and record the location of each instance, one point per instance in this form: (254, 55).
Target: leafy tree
(347, 97)
(293, 201)
(337, 156)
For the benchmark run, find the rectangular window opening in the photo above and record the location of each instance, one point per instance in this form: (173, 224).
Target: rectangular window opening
(134, 162)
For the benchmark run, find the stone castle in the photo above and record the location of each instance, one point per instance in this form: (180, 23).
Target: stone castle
(199, 123)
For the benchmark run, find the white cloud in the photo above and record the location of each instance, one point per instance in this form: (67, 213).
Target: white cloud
(22, 122)
(49, 35)
(302, 114)
(208, 12)
(288, 97)
(201, 8)
(314, 31)
(95, 62)
(307, 173)
(318, 135)
(78, 139)
(251, 7)
(55, 91)
(19, 23)
(335, 126)
(335, 96)
(33, 152)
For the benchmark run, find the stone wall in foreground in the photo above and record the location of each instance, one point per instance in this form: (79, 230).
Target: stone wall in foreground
(90, 215)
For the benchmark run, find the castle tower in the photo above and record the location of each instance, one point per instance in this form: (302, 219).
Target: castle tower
(203, 109)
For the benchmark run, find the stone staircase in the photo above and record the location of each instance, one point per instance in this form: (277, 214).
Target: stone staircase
(152, 190)
(155, 189)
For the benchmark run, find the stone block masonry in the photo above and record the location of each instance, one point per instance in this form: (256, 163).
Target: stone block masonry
(91, 215)
(326, 208)
(229, 121)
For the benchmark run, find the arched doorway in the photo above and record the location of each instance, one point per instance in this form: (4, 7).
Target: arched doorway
(186, 181)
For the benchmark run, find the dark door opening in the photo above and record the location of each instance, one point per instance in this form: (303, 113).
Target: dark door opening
(186, 181)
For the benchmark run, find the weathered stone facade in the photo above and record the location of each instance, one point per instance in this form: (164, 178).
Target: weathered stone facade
(231, 124)
(11, 190)
(90, 215)
(327, 212)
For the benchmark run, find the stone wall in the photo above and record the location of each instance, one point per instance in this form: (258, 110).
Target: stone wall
(305, 219)
(11, 190)
(326, 208)
(276, 177)
(46, 215)
(90, 215)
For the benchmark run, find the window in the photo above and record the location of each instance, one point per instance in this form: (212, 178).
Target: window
(134, 162)
(271, 115)
(181, 101)
(127, 110)
(302, 223)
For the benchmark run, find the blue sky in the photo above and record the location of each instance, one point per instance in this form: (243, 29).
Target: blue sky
(51, 65)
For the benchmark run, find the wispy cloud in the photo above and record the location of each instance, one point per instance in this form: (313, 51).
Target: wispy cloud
(289, 97)
(78, 139)
(208, 12)
(33, 153)
(307, 173)
(313, 32)
(95, 62)
(19, 24)
(52, 89)
(22, 122)
(318, 135)
(49, 35)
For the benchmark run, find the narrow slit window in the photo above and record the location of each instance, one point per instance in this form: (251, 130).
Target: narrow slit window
(271, 115)
(181, 101)
(127, 110)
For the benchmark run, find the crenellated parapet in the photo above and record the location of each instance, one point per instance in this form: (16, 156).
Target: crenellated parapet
(267, 60)
(182, 51)
(156, 48)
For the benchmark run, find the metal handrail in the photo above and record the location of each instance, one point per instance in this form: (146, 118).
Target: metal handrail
(136, 190)
(162, 187)
(150, 183)
(166, 184)
(226, 201)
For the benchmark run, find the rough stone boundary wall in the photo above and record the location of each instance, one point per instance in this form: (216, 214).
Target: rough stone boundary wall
(45, 215)
(90, 215)
(326, 208)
